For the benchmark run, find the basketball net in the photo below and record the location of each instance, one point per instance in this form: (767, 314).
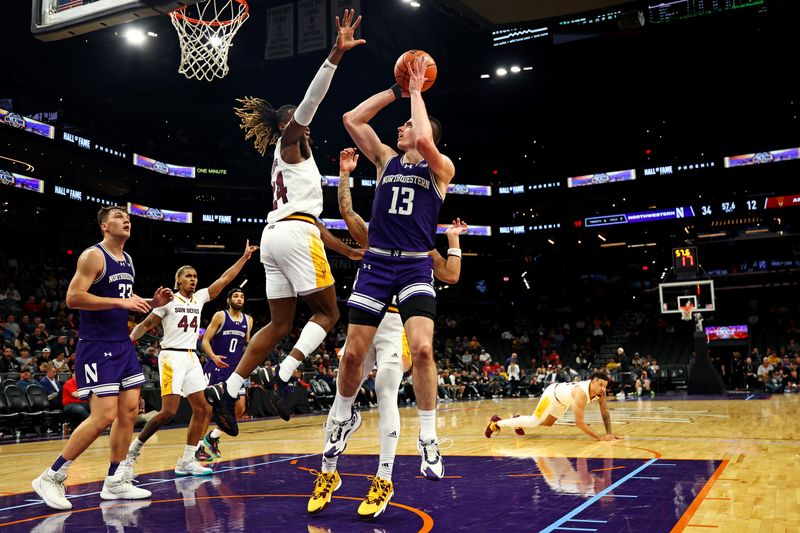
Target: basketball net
(205, 32)
(686, 311)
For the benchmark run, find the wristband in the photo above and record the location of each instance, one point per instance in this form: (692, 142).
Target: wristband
(397, 90)
(454, 251)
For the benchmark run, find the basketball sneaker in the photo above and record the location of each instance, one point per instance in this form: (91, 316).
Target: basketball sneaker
(120, 487)
(191, 468)
(339, 433)
(492, 428)
(277, 390)
(213, 445)
(222, 408)
(432, 466)
(378, 497)
(50, 488)
(519, 431)
(202, 455)
(324, 487)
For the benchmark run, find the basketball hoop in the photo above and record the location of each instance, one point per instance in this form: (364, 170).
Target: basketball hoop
(205, 32)
(686, 311)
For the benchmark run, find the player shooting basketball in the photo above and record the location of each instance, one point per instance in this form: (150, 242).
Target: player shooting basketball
(410, 191)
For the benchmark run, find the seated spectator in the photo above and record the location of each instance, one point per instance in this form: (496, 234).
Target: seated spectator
(9, 363)
(25, 380)
(52, 387)
(643, 384)
(513, 376)
(774, 382)
(59, 347)
(763, 370)
(25, 358)
(77, 410)
(60, 361)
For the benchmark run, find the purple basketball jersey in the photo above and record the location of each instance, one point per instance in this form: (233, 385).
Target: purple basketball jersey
(406, 208)
(116, 281)
(229, 343)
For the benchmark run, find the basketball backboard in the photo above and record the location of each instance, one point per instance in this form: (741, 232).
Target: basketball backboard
(699, 292)
(59, 19)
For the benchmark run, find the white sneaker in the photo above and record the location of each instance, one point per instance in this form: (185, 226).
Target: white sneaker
(432, 466)
(130, 460)
(120, 515)
(50, 488)
(191, 468)
(339, 433)
(120, 487)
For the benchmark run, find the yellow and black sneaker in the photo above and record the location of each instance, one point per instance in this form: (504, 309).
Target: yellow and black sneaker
(378, 497)
(324, 487)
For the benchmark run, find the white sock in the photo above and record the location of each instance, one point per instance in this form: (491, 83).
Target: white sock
(136, 445)
(234, 384)
(216, 433)
(342, 408)
(188, 452)
(329, 464)
(520, 422)
(288, 366)
(427, 424)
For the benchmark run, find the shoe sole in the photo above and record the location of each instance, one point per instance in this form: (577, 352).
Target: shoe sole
(37, 488)
(430, 474)
(111, 496)
(330, 455)
(187, 474)
(380, 511)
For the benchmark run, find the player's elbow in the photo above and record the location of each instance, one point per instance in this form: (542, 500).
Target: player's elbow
(450, 278)
(349, 120)
(425, 145)
(73, 299)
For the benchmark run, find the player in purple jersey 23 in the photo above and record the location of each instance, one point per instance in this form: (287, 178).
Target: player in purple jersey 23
(106, 367)
(224, 342)
(410, 190)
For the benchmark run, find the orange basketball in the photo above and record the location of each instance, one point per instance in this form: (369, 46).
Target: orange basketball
(402, 75)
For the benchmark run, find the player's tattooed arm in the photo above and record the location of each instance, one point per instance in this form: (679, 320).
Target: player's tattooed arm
(348, 159)
(336, 244)
(144, 326)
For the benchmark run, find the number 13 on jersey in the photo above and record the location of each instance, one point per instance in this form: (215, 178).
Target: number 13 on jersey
(405, 197)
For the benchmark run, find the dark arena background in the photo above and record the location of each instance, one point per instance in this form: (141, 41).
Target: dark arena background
(628, 175)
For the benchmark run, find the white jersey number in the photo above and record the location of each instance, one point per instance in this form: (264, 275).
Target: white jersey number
(407, 201)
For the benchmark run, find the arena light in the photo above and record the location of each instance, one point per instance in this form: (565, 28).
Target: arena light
(414, 4)
(501, 71)
(527, 68)
(215, 40)
(134, 36)
(485, 76)
(515, 69)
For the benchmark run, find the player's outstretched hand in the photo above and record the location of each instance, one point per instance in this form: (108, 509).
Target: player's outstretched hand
(417, 74)
(218, 360)
(136, 304)
(162, 296)
(248, 250)
(610, 438)
(459, 227)
(348, 159)
(347, 28)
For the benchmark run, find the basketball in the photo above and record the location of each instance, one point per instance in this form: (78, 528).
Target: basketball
(402, 75)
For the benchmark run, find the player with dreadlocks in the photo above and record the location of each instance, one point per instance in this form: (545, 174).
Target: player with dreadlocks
(292, 243)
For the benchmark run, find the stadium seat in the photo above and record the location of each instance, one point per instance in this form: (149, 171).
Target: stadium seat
(37, 399)
(8, 419)
(17, 402)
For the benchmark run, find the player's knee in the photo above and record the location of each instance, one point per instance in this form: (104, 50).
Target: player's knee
(104, 418)
(422, 353)
(282, 326)
(165, 416)
(353, 355)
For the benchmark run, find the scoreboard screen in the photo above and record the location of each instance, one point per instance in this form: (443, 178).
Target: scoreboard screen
(684, 260)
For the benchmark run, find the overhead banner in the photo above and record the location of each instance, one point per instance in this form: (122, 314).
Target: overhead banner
(280, 32)
(311, 31)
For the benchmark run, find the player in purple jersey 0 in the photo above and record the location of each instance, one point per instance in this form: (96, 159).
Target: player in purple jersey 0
(409, 192)
(223, 343)
(106, 367)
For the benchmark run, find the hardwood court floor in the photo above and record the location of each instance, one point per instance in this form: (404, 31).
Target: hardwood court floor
(750, 448)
